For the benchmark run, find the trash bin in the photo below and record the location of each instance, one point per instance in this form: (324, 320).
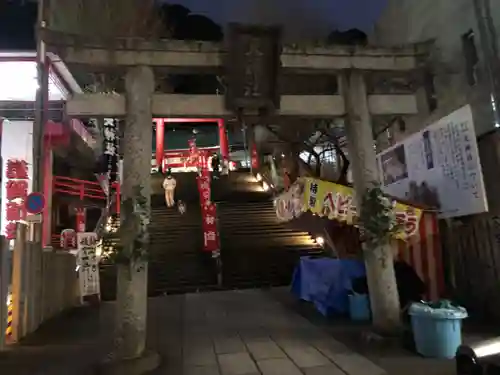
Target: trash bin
(437, 328)
(359, 307)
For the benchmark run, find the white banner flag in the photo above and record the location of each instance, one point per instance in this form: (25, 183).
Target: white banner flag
(87, 262)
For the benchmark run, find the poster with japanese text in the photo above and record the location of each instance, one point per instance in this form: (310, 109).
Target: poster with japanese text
(438, 167)
(88, 267)
(336, 202)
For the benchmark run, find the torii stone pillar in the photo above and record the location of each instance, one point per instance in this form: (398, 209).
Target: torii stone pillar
(381, 278)
(131, 302)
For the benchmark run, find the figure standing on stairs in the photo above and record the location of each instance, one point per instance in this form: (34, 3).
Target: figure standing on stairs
(169, 184)
(215, 166)
(181, 206)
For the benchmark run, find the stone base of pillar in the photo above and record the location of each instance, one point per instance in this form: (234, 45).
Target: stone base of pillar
(148, 362)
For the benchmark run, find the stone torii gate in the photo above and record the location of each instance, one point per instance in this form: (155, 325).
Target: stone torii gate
(354, 101)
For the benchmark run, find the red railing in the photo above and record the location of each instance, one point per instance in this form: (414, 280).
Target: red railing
(80, 188)
(85, 189)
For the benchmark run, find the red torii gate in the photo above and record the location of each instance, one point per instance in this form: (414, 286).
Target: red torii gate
(160, 135)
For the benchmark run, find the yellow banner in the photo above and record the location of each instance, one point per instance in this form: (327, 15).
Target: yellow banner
(337, 203)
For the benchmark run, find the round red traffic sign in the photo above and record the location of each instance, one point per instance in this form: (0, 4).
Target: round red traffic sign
(35, 203)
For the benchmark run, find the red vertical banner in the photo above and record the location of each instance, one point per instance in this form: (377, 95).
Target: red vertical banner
(160, 143)
(16, 189)
(80, 219)
(208, 208)
(254, 157)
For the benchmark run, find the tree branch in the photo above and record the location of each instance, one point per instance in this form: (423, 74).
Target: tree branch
(334, 140)
(316, 172)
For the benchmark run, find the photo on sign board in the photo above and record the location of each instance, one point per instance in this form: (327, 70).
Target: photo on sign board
(394, 166)
(423, 194)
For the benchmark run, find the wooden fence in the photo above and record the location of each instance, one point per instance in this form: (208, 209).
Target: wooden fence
(471, 251)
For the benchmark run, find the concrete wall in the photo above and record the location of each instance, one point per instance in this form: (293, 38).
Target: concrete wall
(44, 284)
(59, 283)
(444, 21)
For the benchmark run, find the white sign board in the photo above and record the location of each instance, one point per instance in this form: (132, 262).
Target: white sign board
(88, 266)
(438, 166)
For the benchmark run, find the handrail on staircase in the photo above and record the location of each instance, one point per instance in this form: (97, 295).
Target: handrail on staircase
(77, 187)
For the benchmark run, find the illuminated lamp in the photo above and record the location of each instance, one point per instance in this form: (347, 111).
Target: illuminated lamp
(19, 82)
(482, 358)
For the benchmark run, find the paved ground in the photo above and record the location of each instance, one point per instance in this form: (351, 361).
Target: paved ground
(222, 333)
(247, 332)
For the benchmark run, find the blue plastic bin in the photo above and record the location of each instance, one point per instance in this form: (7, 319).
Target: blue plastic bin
(359, 307)
(437, 331)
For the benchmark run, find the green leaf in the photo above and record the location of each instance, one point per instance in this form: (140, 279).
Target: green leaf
(377, 220)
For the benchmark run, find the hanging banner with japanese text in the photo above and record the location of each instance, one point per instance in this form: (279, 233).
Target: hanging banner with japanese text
(337, 203)
(110, 157)
(438, 167)
(88, 267)
(208, 211)
(17, 172)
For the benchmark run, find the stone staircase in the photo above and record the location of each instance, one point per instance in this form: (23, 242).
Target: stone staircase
(177, 263)
(256, 249)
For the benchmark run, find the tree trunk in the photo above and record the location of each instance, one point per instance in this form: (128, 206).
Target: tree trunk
(131, 300)
(379, 261)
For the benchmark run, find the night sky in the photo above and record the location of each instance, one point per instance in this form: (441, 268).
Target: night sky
(302, 18)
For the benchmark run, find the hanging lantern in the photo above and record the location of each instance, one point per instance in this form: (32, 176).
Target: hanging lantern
(68, 239)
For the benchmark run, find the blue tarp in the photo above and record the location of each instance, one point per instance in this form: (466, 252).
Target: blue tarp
(326, 282)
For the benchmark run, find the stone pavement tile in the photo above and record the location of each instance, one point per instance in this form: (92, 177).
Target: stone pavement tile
(350, 362)
(355, 364)
(278, 366)
(228, 344)
(215, 313)
(330, 345)
(253, 333)
(264, 349)
(201, 370)
(324, 370)
(200, 354)
(305, 356)
(237, 364)
(197, 333)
